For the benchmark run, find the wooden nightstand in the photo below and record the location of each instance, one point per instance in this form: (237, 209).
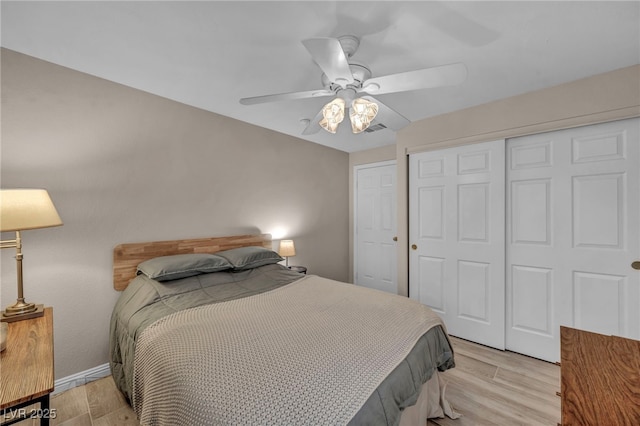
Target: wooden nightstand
(26, 370)
(301, 269)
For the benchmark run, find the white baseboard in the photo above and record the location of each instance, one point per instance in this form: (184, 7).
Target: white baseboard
(81, 378)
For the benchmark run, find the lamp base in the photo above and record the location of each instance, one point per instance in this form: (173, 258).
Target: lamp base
(38, 312)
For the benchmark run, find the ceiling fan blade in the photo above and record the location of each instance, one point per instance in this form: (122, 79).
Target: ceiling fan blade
(328, 54)
(314, 125)
(286, 96)
(388, 116)
(426, 78)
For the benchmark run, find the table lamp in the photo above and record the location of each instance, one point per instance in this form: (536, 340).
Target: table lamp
(287, 248)
(21, 210)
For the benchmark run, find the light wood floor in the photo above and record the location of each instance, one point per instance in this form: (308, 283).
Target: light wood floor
(491, 387)
(488, 387)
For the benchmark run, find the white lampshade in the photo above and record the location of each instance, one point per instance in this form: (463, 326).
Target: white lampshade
(22, 209)
(287, 248)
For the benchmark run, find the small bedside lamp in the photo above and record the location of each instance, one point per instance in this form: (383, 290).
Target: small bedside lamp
(21, 210)
(287, 249)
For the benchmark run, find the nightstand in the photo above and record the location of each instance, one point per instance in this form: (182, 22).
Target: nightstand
(27, 370)
(301, 269)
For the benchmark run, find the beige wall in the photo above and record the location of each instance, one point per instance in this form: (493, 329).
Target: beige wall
(606, 97)
(122, 165)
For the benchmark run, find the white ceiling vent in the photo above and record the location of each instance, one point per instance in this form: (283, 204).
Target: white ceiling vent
(375, 127)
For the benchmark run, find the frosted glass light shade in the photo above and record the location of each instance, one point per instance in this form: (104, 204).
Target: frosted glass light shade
(333, 114)
(22, 209)
(287, 248)
(361, 114)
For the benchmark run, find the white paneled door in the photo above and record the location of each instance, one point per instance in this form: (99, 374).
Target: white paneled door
(573, 231)
(457, 238)
(571, 209)
(375, 256)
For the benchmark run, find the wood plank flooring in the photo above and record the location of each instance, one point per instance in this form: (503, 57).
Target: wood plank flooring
(489, 387)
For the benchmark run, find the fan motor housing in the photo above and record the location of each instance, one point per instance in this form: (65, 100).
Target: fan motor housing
(360, 74)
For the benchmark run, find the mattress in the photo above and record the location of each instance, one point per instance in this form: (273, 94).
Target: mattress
(146, 301)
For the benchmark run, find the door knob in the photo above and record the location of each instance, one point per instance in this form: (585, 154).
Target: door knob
(636, 265)
(414, 247)
(395, 238)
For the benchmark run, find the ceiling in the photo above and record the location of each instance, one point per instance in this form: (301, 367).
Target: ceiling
(209, 54)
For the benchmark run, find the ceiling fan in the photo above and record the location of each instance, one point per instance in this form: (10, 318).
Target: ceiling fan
(352, 86)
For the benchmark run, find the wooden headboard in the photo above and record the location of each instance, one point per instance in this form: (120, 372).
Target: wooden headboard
(126, 257)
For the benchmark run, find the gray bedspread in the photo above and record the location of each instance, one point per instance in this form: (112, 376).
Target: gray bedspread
(145, 301)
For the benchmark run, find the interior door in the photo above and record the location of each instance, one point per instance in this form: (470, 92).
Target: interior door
(375, 227)
(573, 231)
(456, 233)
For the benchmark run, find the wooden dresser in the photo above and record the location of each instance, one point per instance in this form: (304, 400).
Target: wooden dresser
(600, 379)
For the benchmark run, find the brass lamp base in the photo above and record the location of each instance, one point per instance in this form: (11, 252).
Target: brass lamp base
(11, 315)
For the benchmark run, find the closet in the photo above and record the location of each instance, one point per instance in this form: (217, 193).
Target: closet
(511, 239)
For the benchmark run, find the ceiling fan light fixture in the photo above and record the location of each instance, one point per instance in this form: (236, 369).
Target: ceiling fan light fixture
(345, 79)
(329, 126)
(362, 114)
(333, 114)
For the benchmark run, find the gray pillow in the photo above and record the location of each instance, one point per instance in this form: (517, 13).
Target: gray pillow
(166, 268)
(244, 258)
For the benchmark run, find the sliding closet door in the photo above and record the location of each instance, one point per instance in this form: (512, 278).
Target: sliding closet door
(572, 233)
(456, 233)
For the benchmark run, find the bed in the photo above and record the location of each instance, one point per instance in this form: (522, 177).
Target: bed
(217, 331)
